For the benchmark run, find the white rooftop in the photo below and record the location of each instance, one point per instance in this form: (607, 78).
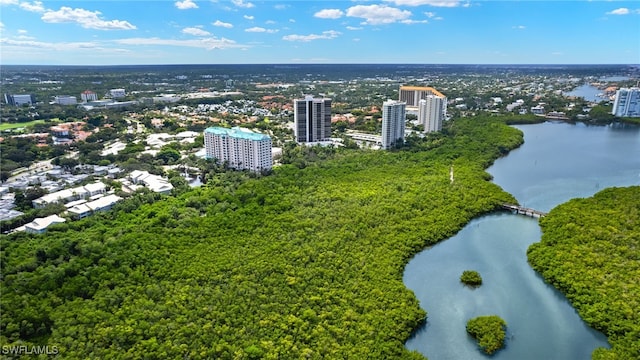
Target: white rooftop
(40, 224)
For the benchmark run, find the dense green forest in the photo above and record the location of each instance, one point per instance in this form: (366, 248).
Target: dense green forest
(590, 250)
(306, 262)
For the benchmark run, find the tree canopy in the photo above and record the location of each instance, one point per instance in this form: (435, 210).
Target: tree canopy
(471, 278)
(590, 250)
(489, 331)
(306, 262)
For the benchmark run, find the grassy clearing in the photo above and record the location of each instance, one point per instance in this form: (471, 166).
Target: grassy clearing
(8, 126)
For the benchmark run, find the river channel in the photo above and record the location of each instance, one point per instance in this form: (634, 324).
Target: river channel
(557, 162)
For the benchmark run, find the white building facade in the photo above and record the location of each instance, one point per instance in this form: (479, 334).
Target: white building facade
(72, 194)
(40, 225)
(431, 113)
(393, 123)
(312, 119)
(65, 100)
(413, 94)
(627, 102)
(242, 149)
(155, 183)
(117, 93)
(88, 95)
(19, 100)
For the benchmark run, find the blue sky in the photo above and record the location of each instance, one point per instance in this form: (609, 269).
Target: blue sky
(119, 32)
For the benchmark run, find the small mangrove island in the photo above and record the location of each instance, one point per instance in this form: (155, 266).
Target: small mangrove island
(471, 278)
(489, 331)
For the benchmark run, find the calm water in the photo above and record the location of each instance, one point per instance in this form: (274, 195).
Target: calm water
(588, 92)
(557, 162)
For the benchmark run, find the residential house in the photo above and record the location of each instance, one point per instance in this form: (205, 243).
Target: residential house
(40, 225)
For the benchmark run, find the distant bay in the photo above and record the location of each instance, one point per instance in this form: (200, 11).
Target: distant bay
(588, 92)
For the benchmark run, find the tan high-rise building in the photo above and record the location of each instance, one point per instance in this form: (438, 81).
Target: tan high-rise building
(413, 94)
(430, 104)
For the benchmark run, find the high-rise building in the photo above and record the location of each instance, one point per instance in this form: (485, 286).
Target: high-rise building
(431, 112)
(88, 95)
(19, 100)
(393, 123)
(242, 149)
(413, 94)
(627, 103)
(312, 119)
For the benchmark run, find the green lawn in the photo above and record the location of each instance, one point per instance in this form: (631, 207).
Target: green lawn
(7, 126)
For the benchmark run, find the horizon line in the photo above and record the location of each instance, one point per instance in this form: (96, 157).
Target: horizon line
(338, 63)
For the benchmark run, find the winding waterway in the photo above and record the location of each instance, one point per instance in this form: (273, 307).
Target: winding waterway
(557, 162)
(588, 92)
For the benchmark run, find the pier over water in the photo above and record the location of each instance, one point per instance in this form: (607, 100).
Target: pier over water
(521, 210)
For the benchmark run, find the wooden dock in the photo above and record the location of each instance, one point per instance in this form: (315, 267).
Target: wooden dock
(521, 210)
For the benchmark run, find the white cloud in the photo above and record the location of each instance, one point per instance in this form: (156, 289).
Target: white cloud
(292, 20)
(329, 14)
(330, 34)
(432, 16)
(242, 4)
(281, 7)
(85, 18)
(222, 24)
(378, 14)
(258, 29)
(619, 11)
(195, 31)
(519, 27)
(352, 28)
(1, 26)
(248, 17)
(61, 46)
(186, 4)
(36, 6)
(8, 2)
(22, 31)
(269, 22)
(410, 22)
(436, 3)
(203, 43)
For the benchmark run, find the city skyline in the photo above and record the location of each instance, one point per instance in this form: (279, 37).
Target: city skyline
(262, 32)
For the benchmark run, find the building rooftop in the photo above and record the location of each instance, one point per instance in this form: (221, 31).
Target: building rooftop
(237, 132)
(8, 214)
(40, 224)
(393, 102)
(422, 88)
